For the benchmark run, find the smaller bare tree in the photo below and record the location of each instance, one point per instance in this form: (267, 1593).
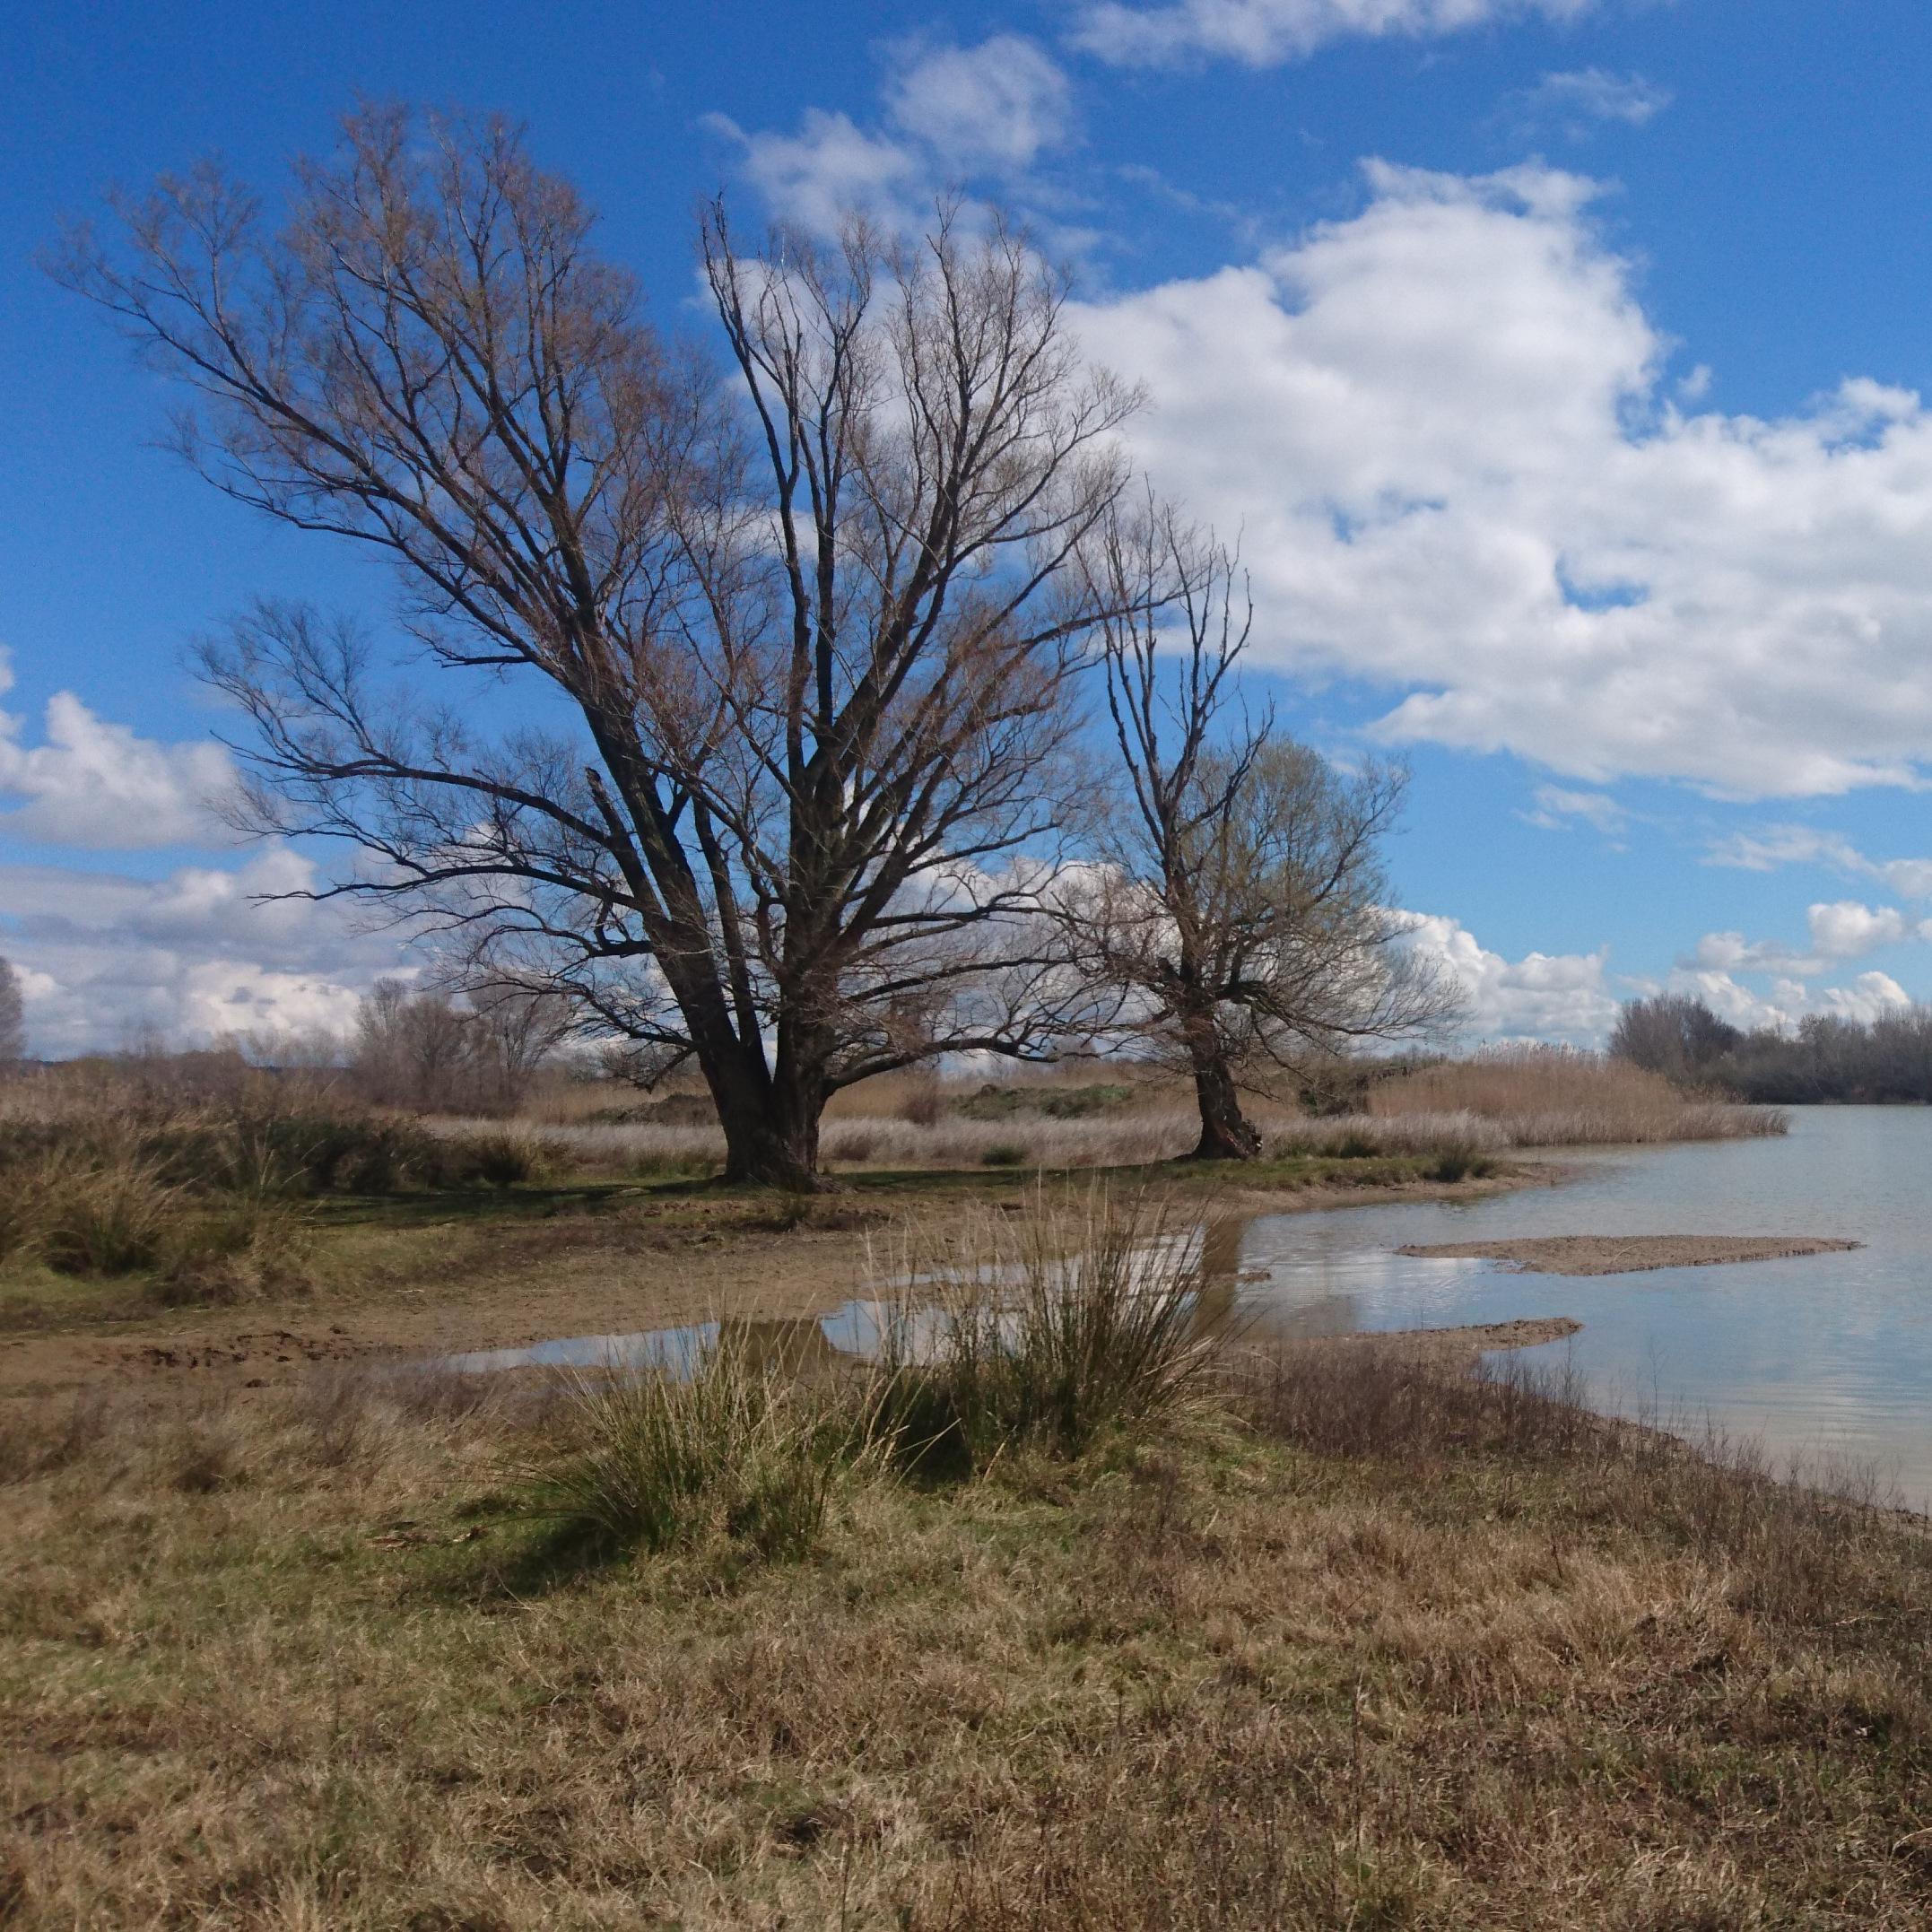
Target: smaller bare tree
(518, 1030)
(412, 1049)
(1240, 904)
(12, 1020)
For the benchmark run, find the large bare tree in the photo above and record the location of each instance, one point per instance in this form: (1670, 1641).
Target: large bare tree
(1239, 901)
(757, 724)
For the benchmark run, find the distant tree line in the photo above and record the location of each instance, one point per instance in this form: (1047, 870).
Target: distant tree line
(1826, 1057)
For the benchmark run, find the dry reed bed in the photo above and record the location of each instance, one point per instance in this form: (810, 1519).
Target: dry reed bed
(647, 1147)
(1504, 1098)
(1122, 1140)
(1364, 1646)
(1558, 1096)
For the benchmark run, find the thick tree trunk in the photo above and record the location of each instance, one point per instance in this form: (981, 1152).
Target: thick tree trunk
(770, 1121)
(1226, 1134)
(765, 1151)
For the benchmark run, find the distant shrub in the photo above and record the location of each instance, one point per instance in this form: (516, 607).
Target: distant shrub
(993, 1102)
(99, 1216)
(1461, 1161)
(925, 1101)
(1003, 1153)
(495, 1160)
(246, 1246)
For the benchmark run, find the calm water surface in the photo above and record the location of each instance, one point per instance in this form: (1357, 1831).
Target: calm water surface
(1826, 1356)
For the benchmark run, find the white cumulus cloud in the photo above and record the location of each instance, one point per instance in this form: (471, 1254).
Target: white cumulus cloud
(1262, 33)
(954, 113)
(1847, 930)
(998, 104)
(191, 955)
(832, 168)
(1444, 432)
(92, 783)
(1562, 998)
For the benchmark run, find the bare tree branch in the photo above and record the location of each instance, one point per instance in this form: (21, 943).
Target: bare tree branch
(740, 688)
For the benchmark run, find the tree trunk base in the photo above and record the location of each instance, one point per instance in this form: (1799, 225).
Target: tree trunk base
(1226, 1133)
(1218, 1144)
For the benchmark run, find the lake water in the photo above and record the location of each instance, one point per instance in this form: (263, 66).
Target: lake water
(1828, 1356)
(1825, 1356)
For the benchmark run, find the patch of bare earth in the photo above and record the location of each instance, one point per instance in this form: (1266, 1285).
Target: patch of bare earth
(1630, 1254)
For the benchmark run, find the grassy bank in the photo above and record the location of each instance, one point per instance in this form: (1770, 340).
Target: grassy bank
(130, 1198)
(1349, 1640)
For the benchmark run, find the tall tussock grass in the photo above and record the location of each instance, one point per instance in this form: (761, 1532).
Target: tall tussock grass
(292, 1135)
(1085, 1320)
(207, 1190)
(1042, 1342)
(735, 1450)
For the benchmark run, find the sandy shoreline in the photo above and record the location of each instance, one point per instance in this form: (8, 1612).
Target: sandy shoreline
(1630, 1254)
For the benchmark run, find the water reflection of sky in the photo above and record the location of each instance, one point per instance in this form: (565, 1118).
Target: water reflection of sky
(1825, 1355)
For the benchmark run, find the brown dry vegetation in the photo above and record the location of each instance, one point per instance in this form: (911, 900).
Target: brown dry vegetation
(1356, 1643)
(1559, 1097)
(1083, 1117)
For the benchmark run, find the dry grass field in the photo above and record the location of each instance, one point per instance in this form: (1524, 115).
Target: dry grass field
(1347, 1640)
(1095, 1618)
(1083, 1117)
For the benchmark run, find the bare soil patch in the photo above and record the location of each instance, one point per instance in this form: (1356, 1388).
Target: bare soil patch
(1632, 1254)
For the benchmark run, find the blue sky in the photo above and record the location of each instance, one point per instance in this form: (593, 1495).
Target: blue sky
(1559, 363)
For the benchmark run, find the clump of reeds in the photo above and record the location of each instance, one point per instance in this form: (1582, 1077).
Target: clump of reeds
(1085, 1320)
(87, 1212)
(112, 1212)
(733, 1450)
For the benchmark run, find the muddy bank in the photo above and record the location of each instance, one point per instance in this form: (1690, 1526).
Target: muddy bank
(1630, 1254)
(419, 1278)
(1453, 1347)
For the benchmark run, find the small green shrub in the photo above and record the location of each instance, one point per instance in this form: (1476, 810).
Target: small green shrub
(655, 1166)
(1356, 1145)
(1003, 1153)
(496, 1160)
(1460, 1161)
(245, 1246)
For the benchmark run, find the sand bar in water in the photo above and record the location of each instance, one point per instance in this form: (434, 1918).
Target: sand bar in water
(1630, 1254)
